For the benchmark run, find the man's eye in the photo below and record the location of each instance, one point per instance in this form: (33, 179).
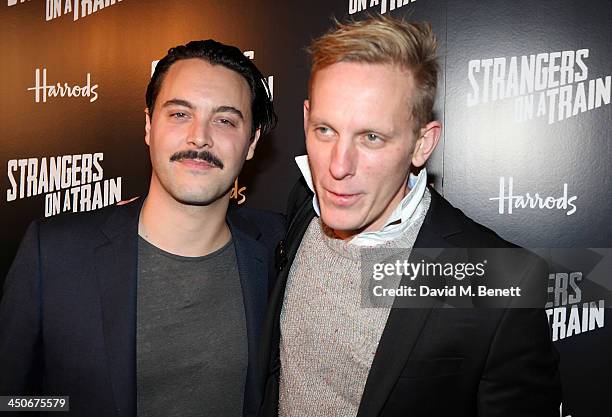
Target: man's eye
(226, 122)
(179, 115)
(372, 137)
(324, 131)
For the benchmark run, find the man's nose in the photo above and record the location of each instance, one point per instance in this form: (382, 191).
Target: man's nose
(343, 159)
(199, 134)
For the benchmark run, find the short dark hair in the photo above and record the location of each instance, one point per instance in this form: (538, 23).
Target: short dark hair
(230, 57)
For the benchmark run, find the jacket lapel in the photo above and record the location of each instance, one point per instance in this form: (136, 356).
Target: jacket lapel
(405, 324)
(401, 333)
(251, 259)
(285, 254)
(116, 271)
(270, 347)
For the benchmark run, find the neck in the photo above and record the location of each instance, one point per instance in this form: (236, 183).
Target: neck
(182, 229)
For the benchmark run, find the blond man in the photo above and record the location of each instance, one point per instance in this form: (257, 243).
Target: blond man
(368, 124)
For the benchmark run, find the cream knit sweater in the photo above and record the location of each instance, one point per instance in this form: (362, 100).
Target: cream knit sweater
(328, 340)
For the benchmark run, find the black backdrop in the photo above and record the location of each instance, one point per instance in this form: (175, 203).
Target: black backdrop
(525, 110)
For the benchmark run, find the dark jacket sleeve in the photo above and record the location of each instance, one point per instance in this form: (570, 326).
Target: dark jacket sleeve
(20, 336)
(521, 374)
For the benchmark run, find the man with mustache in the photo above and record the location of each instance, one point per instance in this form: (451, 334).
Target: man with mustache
(154, 308)
(368, 123)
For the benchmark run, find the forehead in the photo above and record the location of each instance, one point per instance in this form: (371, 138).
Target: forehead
(200, 82)
(369, 89)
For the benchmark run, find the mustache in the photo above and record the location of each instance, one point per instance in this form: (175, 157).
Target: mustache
(198, 156)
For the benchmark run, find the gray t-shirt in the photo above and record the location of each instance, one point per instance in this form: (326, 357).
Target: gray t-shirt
(191, 341)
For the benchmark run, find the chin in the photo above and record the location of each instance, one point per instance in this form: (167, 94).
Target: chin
(200, 195)
(189, 201)
(339, 222)
(196, 199)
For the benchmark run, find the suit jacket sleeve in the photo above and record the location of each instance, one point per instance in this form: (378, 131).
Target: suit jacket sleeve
(521, 377)
(20, 338)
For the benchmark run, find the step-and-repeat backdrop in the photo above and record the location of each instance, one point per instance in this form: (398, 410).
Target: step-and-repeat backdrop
(524, 98)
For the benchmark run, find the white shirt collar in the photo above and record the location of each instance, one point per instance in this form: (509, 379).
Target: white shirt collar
(397, 222)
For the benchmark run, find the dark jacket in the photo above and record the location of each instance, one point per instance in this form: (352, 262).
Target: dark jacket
(434, 362)
(68, 315)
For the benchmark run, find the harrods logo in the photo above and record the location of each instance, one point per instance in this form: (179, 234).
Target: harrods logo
(44, 91)
(509, 201)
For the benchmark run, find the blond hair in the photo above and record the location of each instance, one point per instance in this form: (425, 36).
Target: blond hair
(384, 40)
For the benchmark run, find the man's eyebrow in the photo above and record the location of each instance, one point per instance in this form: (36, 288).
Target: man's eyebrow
(317, 120)
(178, 102)
(228, 109)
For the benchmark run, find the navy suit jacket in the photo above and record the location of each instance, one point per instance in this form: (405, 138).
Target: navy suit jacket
(68, 314)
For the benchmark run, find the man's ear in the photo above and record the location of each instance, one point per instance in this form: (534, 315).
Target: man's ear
(253, 144)
(147, 126)
(426, 143)
(306, 114)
